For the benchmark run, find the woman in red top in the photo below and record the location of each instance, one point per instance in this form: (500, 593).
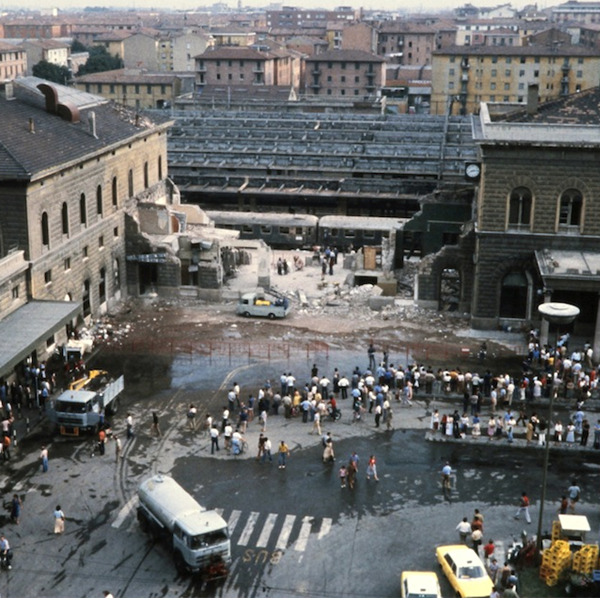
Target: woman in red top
(372, 468)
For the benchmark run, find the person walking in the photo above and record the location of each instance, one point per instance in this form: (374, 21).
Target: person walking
(523, 507)
(191, 417)
(214, 439)
(283, 452)
(573, 492)
(59, 520)
(44, 459)
(266, 451)
(464, 530)
(129, 424)
(5, 552)
(102, 441)
(15, 509)
(372, 468)
(118, 447)
(155, 424)
(343, 475)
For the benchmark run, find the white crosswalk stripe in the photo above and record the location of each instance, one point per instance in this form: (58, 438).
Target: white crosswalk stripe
(286, 531)
(303, 535)
(325, 527)
(248, 529)
(265, 534)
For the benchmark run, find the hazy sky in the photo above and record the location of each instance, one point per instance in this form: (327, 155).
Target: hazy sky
(404, 5)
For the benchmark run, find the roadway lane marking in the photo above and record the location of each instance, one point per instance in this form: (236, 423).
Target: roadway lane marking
(247, 532)
(265, 534)
(286, 530)
(303, 535)
(233, 520)
(124, 513)
(325, 527)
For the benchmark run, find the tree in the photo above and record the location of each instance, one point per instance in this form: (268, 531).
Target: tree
(51, 72)
(77, 46)
(100, 60)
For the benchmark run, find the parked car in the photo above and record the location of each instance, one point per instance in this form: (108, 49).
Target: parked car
(419, 584)
(465, 571)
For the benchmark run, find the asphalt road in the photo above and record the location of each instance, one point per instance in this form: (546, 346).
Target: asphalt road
(295, 532)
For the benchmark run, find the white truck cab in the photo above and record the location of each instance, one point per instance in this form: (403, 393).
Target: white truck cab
(199, 537)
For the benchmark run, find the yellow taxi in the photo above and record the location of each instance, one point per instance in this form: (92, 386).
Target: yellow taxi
(419, 584)
(465, 571)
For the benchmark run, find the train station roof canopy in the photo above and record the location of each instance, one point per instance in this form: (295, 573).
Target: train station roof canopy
(26, 328)
(569, 269)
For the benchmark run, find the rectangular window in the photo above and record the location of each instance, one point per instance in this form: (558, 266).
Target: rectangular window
(101, 242)
(493, 85)
(15, 292)
(85, 252)
(48, 276)
(451, 72)
(522, 73)
(506, 86)
(67, 263)
(579, 74)
(508, 60)
(507, 73)
(494, 59)
(50, 341)
(451, 85)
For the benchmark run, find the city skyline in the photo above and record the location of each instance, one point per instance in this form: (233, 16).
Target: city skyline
(388, 5)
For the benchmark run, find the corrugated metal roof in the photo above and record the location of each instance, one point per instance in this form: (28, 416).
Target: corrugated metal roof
(29, 326)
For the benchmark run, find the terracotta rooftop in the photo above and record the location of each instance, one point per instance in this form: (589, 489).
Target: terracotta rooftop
(578, 109)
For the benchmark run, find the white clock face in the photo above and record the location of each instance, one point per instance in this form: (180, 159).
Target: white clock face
(473, 171)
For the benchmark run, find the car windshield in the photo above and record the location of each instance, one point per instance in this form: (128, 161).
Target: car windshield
(208, 539)
(471, 572)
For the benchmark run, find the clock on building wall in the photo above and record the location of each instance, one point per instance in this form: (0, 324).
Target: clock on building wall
(472, 171)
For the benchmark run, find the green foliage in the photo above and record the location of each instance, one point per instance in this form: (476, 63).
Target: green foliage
(51, 72)
(100, 60)
(77, 46)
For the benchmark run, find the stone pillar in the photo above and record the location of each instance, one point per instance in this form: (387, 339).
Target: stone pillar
(596, 342)
(545, 326)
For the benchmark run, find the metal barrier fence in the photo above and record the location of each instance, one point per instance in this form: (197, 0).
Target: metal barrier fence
(440, 354)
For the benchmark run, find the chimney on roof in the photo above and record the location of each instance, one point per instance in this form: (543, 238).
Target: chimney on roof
(532, 98)
(31, 125)
(92, 123)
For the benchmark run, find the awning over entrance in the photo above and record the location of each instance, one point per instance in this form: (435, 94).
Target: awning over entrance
(576, 269)
(26, 328)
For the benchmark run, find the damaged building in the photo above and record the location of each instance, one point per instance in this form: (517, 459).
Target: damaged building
(536, 231)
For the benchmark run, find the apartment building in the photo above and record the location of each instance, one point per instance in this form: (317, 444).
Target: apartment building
(463, 77)
(585, 13)
(13, 61)
(137, 88)
(52, 51)
(237, 66)
(338, 73)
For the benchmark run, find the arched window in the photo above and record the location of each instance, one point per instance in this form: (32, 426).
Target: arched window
(82, 210)
(146, 178)
(65, 218)
(99, 207)
(130, 182)
(115, 196)
(519, 213)
(160, 168)
(571, 202)
(513, 296)
(45, 230)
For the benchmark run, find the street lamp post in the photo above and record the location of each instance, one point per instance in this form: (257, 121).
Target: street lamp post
(557, 313)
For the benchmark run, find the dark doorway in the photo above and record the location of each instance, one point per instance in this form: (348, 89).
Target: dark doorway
(148, 277)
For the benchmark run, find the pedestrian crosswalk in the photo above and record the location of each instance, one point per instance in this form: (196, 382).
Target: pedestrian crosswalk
(254, 529)
(272, 530)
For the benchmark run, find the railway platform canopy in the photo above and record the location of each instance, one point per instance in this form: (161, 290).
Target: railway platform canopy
(280, 159)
